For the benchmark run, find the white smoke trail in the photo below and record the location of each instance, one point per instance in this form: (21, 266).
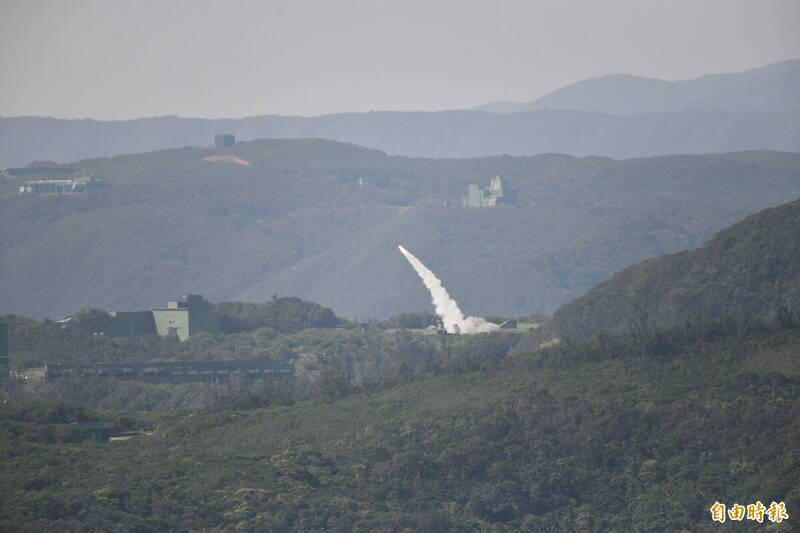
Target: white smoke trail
(452, 318)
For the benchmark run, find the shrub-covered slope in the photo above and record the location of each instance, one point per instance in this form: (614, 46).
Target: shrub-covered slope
(576, 438)
(286, 315)
(295, 221)
(247, 331)
(748, 270)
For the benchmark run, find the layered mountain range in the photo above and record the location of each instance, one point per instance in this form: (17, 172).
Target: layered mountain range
(770, 88)
(619, 116)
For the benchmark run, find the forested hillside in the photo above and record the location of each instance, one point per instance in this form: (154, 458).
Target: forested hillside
(751, 269)
(391, 430)
(456, 434)
(296, 222)
(579, 313)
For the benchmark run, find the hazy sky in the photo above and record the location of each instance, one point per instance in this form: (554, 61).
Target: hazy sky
(122, 59)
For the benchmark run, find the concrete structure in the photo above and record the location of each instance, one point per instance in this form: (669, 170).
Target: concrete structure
(221, 140)
(181, 318)
(127, 323)
(43, 172)
(117, 324)
(79, 185)
(3, 351)
(491, 196)
(475, 197)
(99, 431)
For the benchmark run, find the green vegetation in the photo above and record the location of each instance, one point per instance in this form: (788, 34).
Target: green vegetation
(390, 430)
(249, 331)
(750, 270)
(330, 362)
(296, 222)
(602, 435)
(286, 315)
(93, 316)
(410, 321)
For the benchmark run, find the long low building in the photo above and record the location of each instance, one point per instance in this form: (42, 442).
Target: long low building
(175, 372)
(79, 185)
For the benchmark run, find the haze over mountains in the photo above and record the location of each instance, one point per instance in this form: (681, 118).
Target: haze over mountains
(618, 116)
(295, 221)
(770, 88)
(249, 322)
(298, 223)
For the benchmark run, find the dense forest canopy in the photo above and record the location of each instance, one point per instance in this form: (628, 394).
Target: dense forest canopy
(390, 429)
(579, 313)
(321, 220)
(473, 434)
(748, 270)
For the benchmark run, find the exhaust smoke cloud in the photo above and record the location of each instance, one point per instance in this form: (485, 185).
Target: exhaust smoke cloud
(452, 318)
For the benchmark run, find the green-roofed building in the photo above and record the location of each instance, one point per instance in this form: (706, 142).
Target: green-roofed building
(187, 315)
(180, 318)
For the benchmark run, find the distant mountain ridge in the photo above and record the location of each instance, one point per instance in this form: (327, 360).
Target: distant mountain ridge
(746, 271)
(454, 134)
(774, 87)
(618, 116)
